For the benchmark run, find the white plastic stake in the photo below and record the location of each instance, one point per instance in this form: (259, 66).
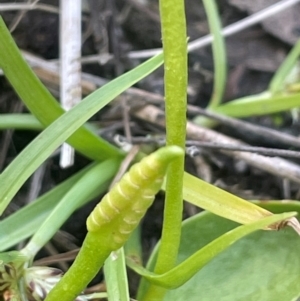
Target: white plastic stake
(70, 66)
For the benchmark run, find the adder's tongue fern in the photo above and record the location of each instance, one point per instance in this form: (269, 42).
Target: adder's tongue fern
(124, 206)
(114, 219)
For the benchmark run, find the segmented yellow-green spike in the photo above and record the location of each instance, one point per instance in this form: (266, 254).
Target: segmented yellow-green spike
(129, 199)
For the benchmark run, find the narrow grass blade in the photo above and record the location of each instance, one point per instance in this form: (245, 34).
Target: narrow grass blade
(23, 223)
(219, 52)
(278, 80)
(95, 179)
(55, 134)
(261, 104)
(220, 202)
(116, 276)
(133, 246)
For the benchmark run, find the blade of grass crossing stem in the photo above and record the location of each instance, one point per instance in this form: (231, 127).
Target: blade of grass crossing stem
(188, 268)
(19, 122)
(261, 104)
(56, 133)
(116, 276)
(41, 103)
(277, 82)
(91, 181)
(219, 52)
(27, 220)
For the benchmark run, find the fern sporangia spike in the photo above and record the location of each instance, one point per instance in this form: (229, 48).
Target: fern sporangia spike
(114, 219)
(124, 206)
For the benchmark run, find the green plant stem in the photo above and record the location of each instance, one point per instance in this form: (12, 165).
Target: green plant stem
(175, 56)
(94, 251)
(219, 52)
(40, 101)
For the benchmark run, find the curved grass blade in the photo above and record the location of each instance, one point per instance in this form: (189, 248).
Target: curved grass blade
(56, 133)
(185, 270)
(264, 264)
(219, 52)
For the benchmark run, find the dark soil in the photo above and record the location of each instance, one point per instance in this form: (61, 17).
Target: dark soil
(253, 56)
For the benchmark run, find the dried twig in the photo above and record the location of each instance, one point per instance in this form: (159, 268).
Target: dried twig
(247, 127)
(273, 152)
(28, 6)
(206, 40)
(68, 256)
(276, 166)
(124, 165)
(20, 16)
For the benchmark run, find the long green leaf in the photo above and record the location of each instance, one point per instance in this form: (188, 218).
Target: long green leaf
(55, 134)
(41, 103)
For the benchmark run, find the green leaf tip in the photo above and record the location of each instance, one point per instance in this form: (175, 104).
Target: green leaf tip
(122, 208)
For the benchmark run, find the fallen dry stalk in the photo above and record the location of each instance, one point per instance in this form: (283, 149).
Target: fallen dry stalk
(276, 166)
